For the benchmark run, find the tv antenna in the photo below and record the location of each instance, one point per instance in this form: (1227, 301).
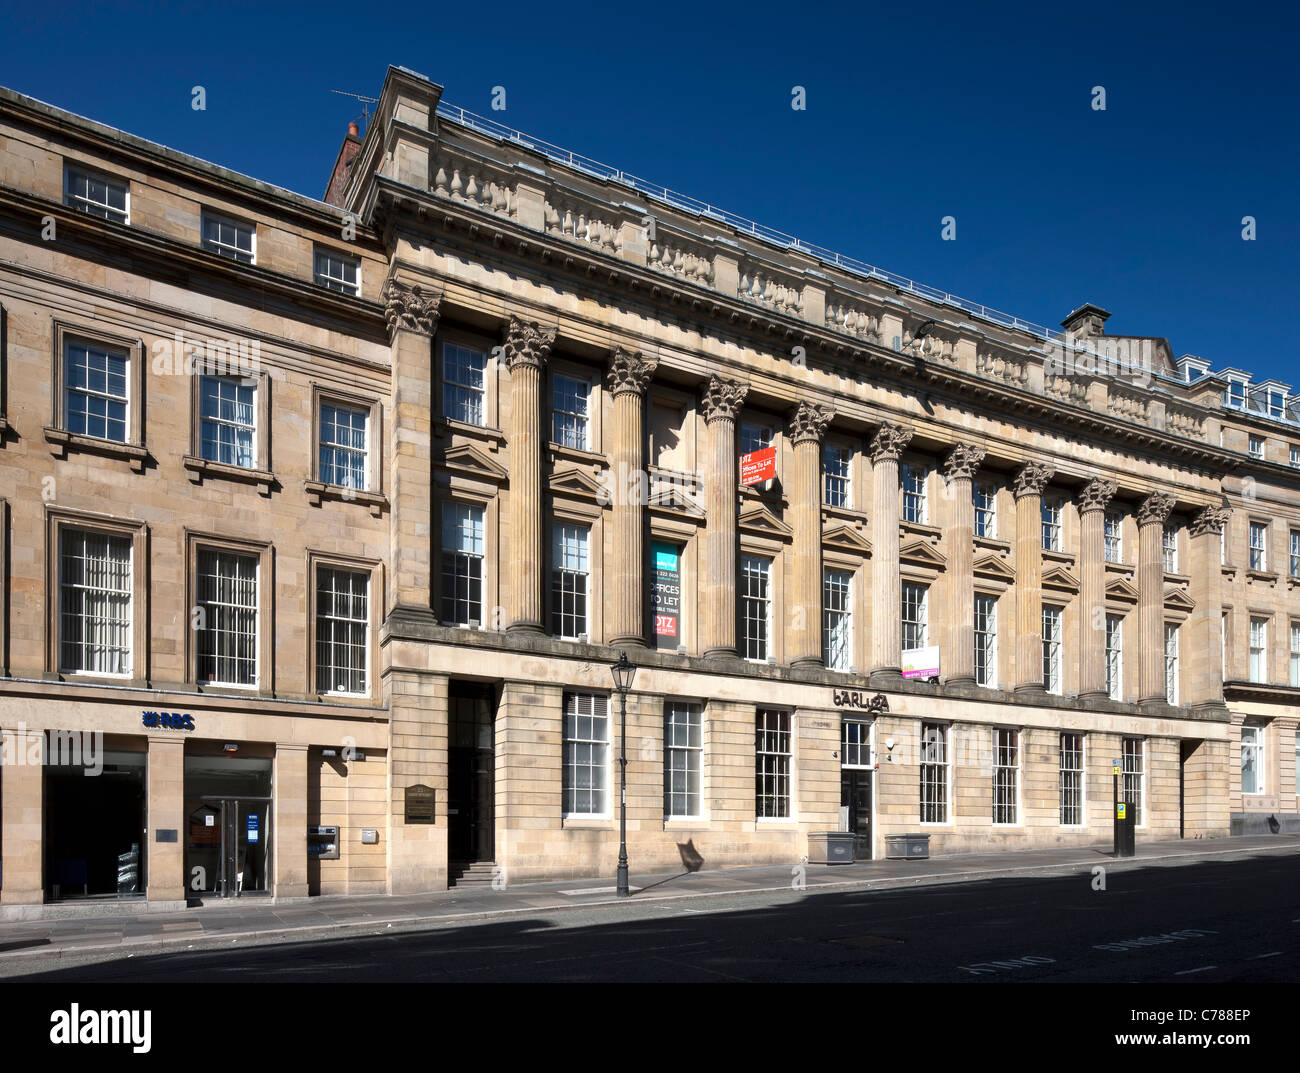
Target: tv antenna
(366, 102)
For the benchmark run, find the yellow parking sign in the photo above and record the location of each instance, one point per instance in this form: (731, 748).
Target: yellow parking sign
(1121, 811)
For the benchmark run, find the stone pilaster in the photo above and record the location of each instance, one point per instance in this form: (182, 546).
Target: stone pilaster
(886, 590)
(527, 347)
(1204, 671)
(721, 405)
(22, 834)
(412, 316)
(1092, 503)
(165, 803)
(629, 375)
(959, 469)
(807, 426)
(1029, 484)
(289, 826)
(1152, 515)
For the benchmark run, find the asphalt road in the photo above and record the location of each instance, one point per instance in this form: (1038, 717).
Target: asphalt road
(1234, 920)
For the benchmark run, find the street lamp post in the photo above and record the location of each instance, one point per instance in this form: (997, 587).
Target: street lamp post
(623, 672)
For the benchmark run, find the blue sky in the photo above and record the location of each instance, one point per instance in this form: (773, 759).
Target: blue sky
(913, 113)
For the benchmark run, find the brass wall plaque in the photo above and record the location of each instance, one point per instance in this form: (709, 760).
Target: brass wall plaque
(419, 804)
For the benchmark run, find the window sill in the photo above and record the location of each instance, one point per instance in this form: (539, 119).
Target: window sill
(63, 443)
(932, 533)
(589, 823)
(318, 491)
(1002, 547)
(444, 426)
(1269, 577)
(576, 454)
(201, 469)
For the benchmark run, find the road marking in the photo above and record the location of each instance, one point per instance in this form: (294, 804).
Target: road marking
(595, 890)
(1189, 972)
(1274, 954)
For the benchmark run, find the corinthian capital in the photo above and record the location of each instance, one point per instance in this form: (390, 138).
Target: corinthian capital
(808, 423)
(1211, 520)
(411, 309)
(723, 399)
(1096, 495)
(1155, 508)
(963, 461)
(1032, 478)
(630, 372)
(889, 442)
(527, 343)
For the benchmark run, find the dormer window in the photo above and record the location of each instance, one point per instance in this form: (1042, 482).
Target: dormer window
(1276, 404)
(1236, 394)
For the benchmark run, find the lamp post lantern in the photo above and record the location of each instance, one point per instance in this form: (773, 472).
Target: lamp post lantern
(623, 672)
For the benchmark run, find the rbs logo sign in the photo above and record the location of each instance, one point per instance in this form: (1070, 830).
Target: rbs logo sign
(167, 720)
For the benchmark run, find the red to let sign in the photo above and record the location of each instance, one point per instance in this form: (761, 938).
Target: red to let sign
(758, 466)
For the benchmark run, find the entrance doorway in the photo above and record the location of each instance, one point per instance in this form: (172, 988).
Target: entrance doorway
(857, 762)
(471, 772)
(855, 803)
(1186, 750)
(228, 825)
(94, 827)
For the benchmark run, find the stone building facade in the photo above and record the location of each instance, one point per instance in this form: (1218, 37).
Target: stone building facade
(331, 518)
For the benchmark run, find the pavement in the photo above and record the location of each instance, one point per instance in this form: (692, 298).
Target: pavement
(254, 921)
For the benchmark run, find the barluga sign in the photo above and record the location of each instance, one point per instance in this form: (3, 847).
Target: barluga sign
(857, 700)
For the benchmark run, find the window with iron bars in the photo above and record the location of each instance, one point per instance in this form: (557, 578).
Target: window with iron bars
(934, 773)
(1006, 776)
(1071, 779)
(342, 628)
(772, 764)
(586, 754)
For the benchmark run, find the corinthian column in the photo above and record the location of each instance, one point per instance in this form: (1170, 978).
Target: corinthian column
(1151, 597)
(1205, 645)
(412, 316)
(1029, 485)
(721, 403)
(886, 591)
(1093, 500)
(527, 347)
(629, 375)
(958, 470)
(807, 425)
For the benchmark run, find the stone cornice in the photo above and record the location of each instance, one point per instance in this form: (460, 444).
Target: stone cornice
(808, 423)
(630, 372)
(963, 461)
(722, 399)
(1032, 478)
(1096, 495)
(756, 326)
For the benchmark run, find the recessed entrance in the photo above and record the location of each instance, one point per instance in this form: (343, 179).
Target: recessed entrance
(227, 825)
(471, 773)
(94, 824)
(857, 761)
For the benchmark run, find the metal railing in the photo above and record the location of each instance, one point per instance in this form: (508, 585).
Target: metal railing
(692, 205)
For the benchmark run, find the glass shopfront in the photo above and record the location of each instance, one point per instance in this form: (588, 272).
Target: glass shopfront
(227, 823)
